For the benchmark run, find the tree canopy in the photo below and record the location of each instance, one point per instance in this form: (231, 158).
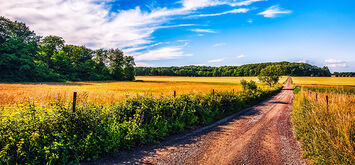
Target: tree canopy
(291, 69)
(270, 75)
(28, 57)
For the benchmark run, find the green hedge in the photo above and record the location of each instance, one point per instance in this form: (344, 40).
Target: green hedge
(55, 135)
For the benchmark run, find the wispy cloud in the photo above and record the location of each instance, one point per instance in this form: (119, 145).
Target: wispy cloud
(219, 44)
(196, 4)
(241, 10)
(216, 60)
(241, 56)
(273, 11)
(142, 64)
(198, 64)
(333, 63)
(203, 30)
(164, 53)
(250, 21)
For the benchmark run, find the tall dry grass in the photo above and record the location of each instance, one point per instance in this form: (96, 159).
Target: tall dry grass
(327, 135)
(104, 92)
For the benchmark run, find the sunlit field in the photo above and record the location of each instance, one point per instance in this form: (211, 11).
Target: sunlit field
(325, 133)
(325, 129)
(324, 80)
(111, 92)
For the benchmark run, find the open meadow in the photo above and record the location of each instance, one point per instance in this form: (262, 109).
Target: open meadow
(112, 92)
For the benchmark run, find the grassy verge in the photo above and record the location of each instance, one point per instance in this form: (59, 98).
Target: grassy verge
(36, 134)
(327, 136)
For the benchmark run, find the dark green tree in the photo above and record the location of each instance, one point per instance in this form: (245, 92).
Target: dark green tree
(270, 75)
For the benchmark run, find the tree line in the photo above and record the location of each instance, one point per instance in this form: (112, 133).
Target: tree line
(344, 74)
(25, 56)
(291, 69)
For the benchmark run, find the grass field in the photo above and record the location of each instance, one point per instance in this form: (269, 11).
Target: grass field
(326, 134)
(111, 92)
(349, 81)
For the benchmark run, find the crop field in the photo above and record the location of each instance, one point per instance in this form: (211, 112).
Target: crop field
(111, 92)
(349, 81)
(323, 116)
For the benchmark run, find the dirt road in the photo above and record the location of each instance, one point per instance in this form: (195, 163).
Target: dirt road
(258, 135)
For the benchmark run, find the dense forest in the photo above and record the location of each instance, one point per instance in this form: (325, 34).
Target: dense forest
(291, 69)
(344, 74)
(25, 56)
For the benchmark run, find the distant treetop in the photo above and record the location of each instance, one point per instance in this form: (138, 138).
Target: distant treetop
(288, 68)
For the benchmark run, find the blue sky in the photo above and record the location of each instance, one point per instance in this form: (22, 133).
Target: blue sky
(201, 32)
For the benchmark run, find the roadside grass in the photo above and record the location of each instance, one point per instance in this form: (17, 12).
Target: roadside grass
(327, 136)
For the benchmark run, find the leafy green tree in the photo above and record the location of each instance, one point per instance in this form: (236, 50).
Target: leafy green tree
(49, 46)
(270, 75)
(116, 63)
(249, 86)
(24, 57)
(18, 46)
(128, 69)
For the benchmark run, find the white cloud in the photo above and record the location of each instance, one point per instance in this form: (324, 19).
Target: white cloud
(198, 64)
(241, 10)
(333, 63)
(142, 64)
(241, 56)
(303, 61)
(250, 21)
(196, 4)
(164, 53)
(216, 60)
(273, 11)
(219, 44)
(90, 22)
(203, 30)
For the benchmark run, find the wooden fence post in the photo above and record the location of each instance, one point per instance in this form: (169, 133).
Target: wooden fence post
(233, 91)
(326, 97)
(316, 96)
(74, 101)
(174, 93)
(212, 92)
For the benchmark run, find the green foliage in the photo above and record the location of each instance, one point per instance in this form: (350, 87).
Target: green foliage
(344, 74)
(291, 69)
(270, 75)
(24, 57)
(55, 135)
(249, 86)
(296, 89)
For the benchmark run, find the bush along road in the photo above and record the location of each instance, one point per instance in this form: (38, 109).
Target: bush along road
(261, 134)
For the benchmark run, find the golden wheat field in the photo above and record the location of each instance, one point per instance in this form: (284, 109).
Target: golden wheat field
(111, 92)
(324, 80)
